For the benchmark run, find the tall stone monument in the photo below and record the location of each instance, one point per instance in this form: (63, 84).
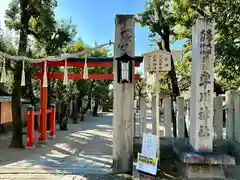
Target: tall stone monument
(123, 120)
(198, 165)
(201, 112)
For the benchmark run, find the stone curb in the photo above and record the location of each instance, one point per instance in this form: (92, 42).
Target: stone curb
(59, 170)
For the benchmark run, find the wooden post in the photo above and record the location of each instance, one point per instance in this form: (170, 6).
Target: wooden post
(180, 117)
(30, 127)
(157, 127)
(123, 120)
(218, 117)
(230, 114)
(142, 116)
(52, 121)
(154, 113)
(167, 115)
(43, 116)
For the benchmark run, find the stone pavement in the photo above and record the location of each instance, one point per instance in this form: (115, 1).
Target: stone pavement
(85, 149)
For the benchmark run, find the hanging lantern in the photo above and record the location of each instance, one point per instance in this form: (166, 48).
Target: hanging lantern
(125, 69)
(3, 74)
(65, 77)
(45, 80)
(23, 74)
(85, 69)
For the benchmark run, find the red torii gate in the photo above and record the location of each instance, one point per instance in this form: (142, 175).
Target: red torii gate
(72, 62)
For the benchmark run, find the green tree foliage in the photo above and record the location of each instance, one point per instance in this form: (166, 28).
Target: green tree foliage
(227, 28)
(36, 18)
(183, 71)
(160, 20)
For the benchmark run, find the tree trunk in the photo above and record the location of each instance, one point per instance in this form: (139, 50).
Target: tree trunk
(217, 88)
(16, 109)
(75, 113)
(173, 77)
(95, 108)
(89, 98)
(64, 119)
(16, 141)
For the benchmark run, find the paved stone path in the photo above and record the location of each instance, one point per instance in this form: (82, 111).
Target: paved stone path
(86, 148)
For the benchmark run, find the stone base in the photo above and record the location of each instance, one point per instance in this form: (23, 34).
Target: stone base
(27, 147)
(202, 164)
(52, 137)
(138, 175)
(225, 154)
(41, 144)
(197, 171)
(188, 155)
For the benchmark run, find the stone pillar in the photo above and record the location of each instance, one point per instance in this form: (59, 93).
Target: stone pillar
(71, 108)
(201, 112)
(123, 120)
(142, 116)
(92, 105)
(154, 113)
(180, 117)
(188, 115)
(136, 119)
(167, 115)
(218, 117)
(237, 117)
(229, 108)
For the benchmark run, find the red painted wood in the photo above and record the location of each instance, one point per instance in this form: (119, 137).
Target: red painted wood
(80, 64)
(52, 121)
(43, 115)
(30, 129)
(79, 76)
(37, 113)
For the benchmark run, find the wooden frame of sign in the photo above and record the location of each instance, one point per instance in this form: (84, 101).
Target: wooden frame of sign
(156, 62)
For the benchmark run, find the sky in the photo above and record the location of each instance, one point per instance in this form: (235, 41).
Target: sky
(95, 20)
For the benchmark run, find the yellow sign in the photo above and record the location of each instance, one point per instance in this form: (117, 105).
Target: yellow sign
(147, 160)
(147, 164)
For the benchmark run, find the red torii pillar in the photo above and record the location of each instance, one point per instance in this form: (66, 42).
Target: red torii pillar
(43, 114)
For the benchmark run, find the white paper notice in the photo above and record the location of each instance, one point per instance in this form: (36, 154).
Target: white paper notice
(149, 145)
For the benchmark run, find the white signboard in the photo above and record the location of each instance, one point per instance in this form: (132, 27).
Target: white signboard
(149, 145)
(147, 161)
(157, 61)
(125, 67)
(164, 62)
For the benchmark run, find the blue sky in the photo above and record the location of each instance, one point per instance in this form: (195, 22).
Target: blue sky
(95, 20)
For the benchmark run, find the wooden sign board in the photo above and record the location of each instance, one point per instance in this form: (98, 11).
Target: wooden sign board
(157, 61)
(147, 161)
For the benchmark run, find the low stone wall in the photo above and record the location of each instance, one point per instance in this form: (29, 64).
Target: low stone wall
(167, 146)
(171, 162)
